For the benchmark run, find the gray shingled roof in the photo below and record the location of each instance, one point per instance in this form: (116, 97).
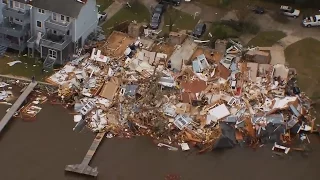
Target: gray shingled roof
(69, 8)
(22, 1)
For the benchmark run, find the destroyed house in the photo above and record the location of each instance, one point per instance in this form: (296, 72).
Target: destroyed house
(14, 24)
(60, 27)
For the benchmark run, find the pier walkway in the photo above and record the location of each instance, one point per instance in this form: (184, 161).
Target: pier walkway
(4, 121)
(84, 167)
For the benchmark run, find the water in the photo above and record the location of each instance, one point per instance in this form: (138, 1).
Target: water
(39, 150)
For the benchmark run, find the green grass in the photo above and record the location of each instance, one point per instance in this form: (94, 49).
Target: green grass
(220, 31)
(137, 12)
(180, 21)
(304, 56)
(266, 38)
(215, 3)
(104, 4)
(28, 68)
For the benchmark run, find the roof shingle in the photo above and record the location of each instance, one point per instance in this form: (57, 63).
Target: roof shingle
(69, 8)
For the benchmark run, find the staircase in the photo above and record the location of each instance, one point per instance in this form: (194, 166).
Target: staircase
(48, 63)
(3, 49)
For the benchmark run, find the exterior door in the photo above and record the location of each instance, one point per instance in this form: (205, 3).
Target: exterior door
(53, 54)
(11, 4)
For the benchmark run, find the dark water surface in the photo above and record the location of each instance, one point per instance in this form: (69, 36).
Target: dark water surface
(39, 150)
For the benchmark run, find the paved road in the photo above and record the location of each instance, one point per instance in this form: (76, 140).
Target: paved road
(293, 28)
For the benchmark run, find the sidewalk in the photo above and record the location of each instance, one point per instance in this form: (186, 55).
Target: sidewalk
(113, 9)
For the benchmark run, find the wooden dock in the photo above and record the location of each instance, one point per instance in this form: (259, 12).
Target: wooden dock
(4, 121)
(84, 167)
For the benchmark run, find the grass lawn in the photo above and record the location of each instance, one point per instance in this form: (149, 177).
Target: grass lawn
(28, 68)
(266, 38)
(221, 31)
(137, 12)
(238, 4)
(179, 19)
(304, 56)
(215, 3)
(104, 4)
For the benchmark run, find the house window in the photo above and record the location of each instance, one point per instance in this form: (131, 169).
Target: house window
(21, 6)
(68, 19)
(16, 4)
(41, 11)
(54, 16)
(62, 17)
(18, 20)
(39, 24)
(68, 32)
(52, 54)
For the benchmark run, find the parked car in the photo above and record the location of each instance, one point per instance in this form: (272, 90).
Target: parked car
(257, 9)
(102, 16)
(159, 8)
(172, 2)
(311, 21)
(155, 21)
(289, 11)
(199, 30)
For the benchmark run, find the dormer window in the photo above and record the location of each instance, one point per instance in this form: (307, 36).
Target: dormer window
(68, 19)
(41, 11)
(62, 17)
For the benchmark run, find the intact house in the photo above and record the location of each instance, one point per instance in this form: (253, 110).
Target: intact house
(60, 27)
(14, 25)
(55, 29)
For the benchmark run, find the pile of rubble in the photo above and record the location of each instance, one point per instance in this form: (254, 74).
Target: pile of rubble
(208, 105)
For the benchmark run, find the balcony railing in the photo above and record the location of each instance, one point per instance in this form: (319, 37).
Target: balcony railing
(22, 15)
(55, 42)
(13, 29)
(13, 45)
(59, 26)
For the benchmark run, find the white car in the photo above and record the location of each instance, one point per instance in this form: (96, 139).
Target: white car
(102, 16)
(289, 11)
(311, 21)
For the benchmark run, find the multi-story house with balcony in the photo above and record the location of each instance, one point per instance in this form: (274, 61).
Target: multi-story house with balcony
(14, 25)
(58, 27)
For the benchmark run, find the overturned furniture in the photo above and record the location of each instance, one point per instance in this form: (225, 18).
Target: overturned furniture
(84, 167)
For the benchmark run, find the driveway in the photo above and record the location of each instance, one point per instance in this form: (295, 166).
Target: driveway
(149, 3)
(293, 28)
(206, 13)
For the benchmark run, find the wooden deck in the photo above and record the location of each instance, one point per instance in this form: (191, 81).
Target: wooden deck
(4, 121)
(84, 167)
